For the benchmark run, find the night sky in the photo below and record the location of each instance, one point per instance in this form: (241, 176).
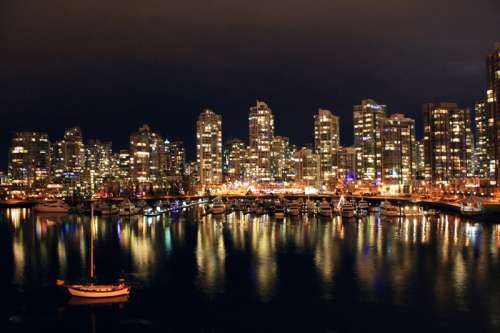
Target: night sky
(110, 66)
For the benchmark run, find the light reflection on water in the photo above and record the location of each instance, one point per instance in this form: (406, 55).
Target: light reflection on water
(447, 260)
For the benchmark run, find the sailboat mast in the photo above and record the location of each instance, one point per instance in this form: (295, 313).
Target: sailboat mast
(91, 240)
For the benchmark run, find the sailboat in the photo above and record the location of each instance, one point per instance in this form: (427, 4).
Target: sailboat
(92, 290)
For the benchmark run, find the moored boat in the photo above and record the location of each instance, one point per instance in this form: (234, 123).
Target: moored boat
(151, 211)
(413, 211)
(218, 207)
(57, 206)
(471, 207)
(348, 210)
(389, 210)
(92, 290)
(127, 208)
(325, 209)
(293, 208)
(279, 213)
(98, 291)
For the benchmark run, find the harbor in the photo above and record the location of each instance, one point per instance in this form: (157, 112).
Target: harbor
(157, 205)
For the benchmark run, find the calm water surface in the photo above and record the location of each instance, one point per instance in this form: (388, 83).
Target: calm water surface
(240, 273)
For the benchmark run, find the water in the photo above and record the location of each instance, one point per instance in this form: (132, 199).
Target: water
(249, 274)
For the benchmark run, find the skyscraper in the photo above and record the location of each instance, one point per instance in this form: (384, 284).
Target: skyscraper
(175, 159)
(261, 133)
(98, 164)
(399, 142)
(29, 160)
(209, 148)
(124, 167)
(307, 166)
(57, 161)
(347, 163)
(419, 160)
(483, 151)
(326, 142)
(368, 133)
(280, 155)
(493, 109)
(74, 152)
(234, 160)
(447, 142)
(147, 155)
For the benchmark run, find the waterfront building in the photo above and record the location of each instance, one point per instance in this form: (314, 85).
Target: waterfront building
(234, 160)
(147, 155)
(57, 162)
(124, 166)
(368, 134)
(74, 152)
(347, 163)
(484, 157)
(98, 165)
(175, 159)
(74, 161)
(307, 167)
(326, 143)
(261, 133)
(447, 143)
(157, 161)
(493, 110)
(280, 156)
(399, 142)
(29, 160)
(419, 160)
(209, 148)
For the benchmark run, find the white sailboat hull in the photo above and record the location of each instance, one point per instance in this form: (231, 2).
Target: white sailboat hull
(98, 291)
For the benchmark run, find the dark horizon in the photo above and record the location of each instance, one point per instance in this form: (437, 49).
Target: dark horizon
(111, 67)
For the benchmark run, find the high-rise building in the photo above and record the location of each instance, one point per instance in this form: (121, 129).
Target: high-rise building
(209, 148)
(261, 133)
(147, 154)
(368, 133)
(124, 167)
(447, 143)
(307, 166)
(483, 157)
(419, 160)
(74, 152)
(399, 142)
(493, 109)
(157, 160)
(326, 143)
(280, 156)
(234, 160)
(347, 163)
(175, 161)
(98, 164)
(29, 160)
(57, 161)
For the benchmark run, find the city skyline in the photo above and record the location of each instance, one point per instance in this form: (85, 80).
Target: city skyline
(308, 137)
